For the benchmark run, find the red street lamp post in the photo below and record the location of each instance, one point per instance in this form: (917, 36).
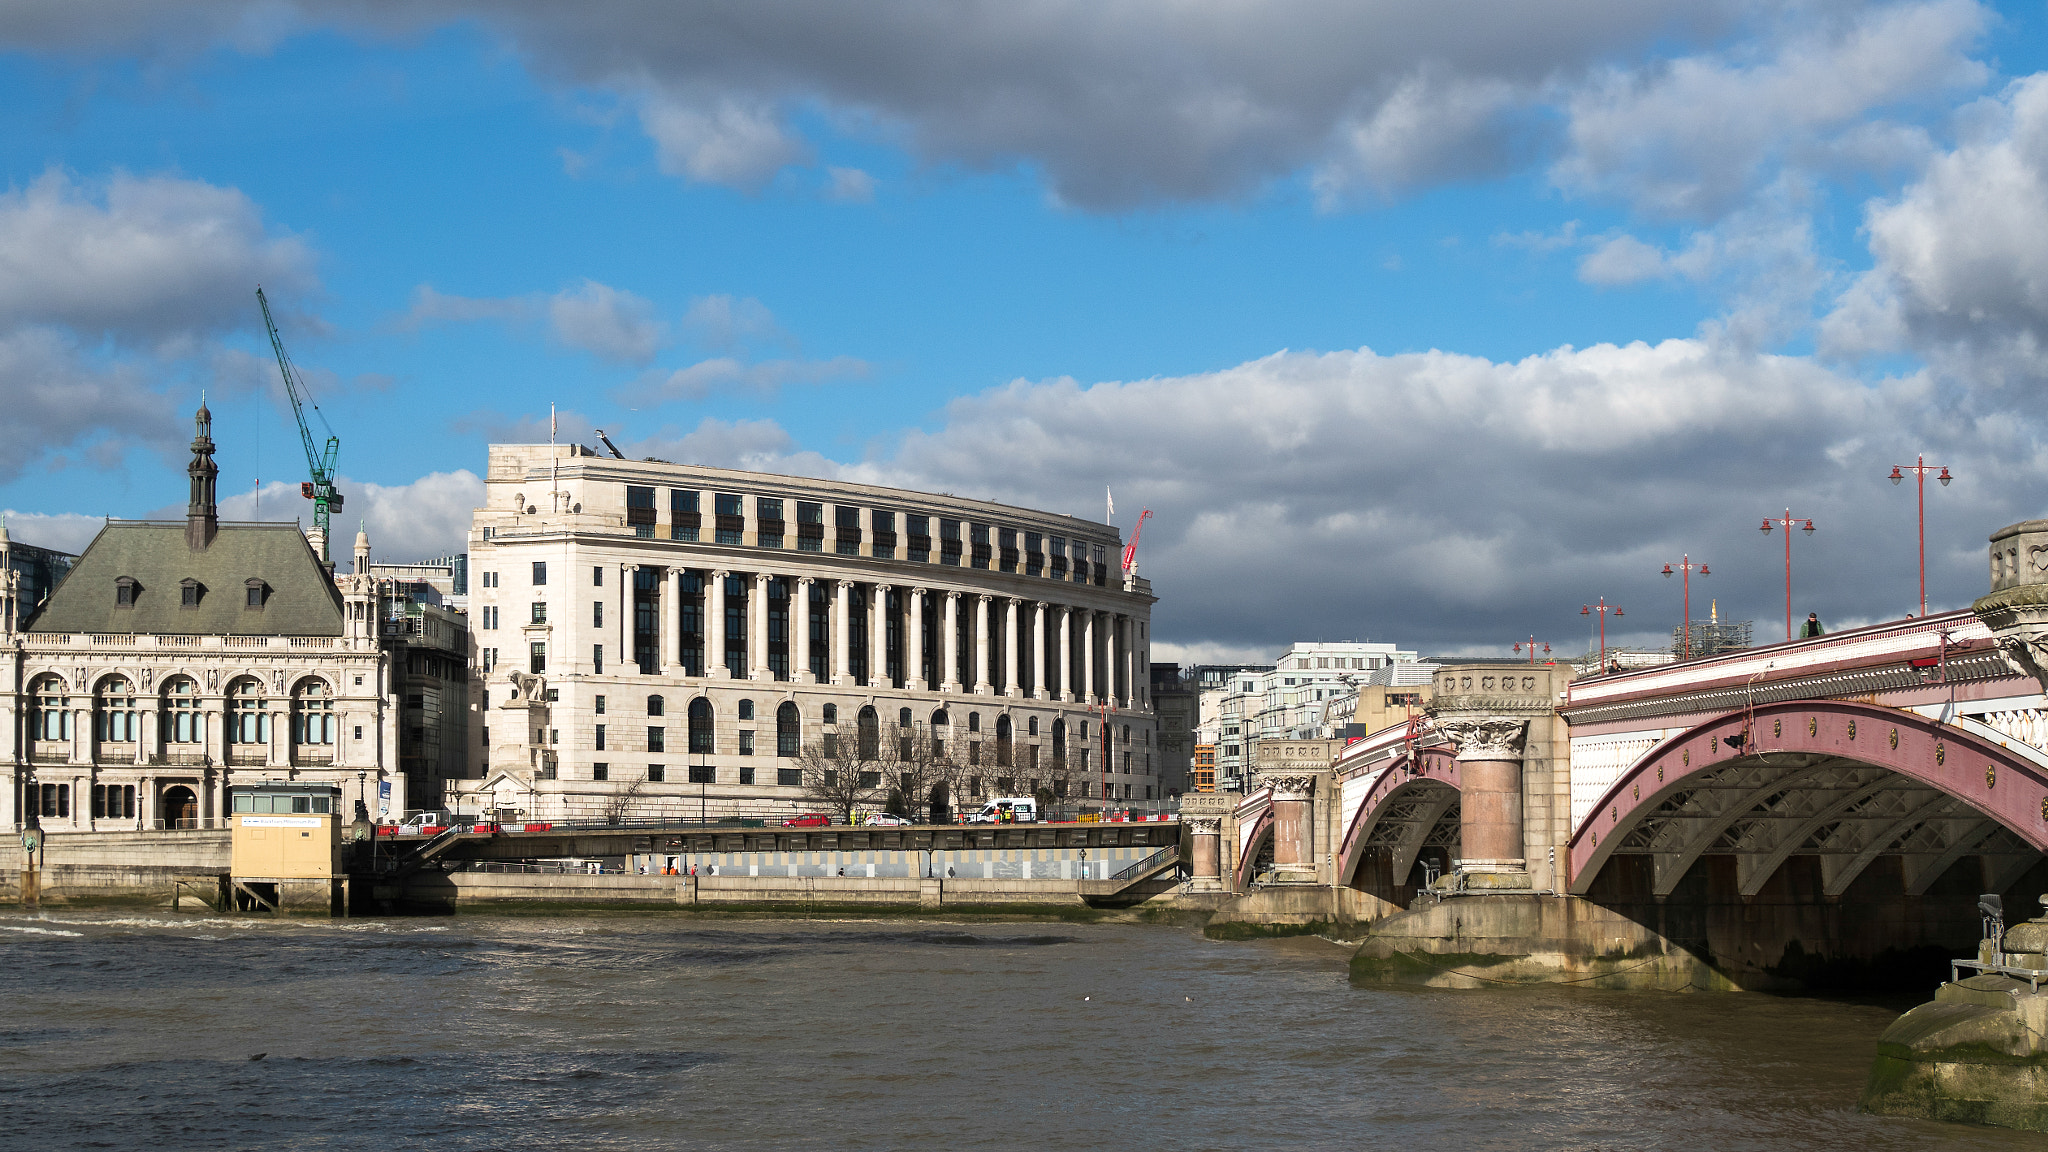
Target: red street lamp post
(1603, 608)
(1532, 649)
(1920, 468)
(1686, 566)
(1788, 522)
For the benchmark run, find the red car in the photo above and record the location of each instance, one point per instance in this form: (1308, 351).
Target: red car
(808, 820)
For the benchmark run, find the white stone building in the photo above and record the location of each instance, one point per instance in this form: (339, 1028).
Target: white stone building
(1289, 699)
(694, 628)
(177, 657)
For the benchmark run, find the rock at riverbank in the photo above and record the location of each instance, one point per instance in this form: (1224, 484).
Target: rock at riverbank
(1978, 1054)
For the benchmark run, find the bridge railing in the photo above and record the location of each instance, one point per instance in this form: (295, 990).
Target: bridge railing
(1150, 861)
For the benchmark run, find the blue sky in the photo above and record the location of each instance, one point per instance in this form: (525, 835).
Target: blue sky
(1418, 322)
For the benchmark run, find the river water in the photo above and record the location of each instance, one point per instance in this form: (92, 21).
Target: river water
(655, 1032)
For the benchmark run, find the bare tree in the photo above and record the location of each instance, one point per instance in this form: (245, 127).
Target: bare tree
(915, 765)
(621, 804)
(840, 781)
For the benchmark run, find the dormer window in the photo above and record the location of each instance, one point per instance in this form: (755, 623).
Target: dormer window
(255, 592)
(125, 588)
(189, 592)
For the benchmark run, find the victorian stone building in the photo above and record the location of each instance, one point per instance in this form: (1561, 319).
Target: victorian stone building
(661, 639)
(178, 657)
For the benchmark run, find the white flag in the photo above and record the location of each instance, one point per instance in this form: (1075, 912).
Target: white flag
(1111, 497)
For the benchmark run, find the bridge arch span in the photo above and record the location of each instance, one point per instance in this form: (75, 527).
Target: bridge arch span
(1410, 805)
(1844, 781)
(1259, 839)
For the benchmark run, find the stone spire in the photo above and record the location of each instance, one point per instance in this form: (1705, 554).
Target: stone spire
(202, 517)
(362, 551)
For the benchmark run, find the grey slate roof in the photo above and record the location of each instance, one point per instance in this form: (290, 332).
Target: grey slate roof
(301, 598)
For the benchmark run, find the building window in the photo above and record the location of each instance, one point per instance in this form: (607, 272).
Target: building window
(684, 521)
(51, 719)
(746, 743)
(598, 738)
(189, 591)
(537, 657)
(597, 576)
(788, 730)
(312, 714)
(830, 742)
(655, 774)
(540, 612)
(884, 526)
(56, 800)
(703, 774)
(731, 521)
(1034, 554)
(747, 774)
(918, 530)
(768, 530)
(810, 527)
(113, 801)
(1007, 537)
(949, 542)
(248, 717)
(830, 713)
(540, 573)
(640, 511)
(982, 553)
(598, 706)
(701, 731)
(846, 530)
(183, 722)
(789, 777)
(657, 739)
(597, 659)
(597, 613)
(600, 771)
(124, 591)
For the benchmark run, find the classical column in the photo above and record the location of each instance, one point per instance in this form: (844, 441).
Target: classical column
(1294, 847)
(800, 619)
(757, 630)
(878, 635)
(981, 685)
(949, 659)
(1127, 643)
(1011, 609)
(1040, 623)
(842, 639)
(714, 624)
(669, 644)
(1208, 854)
(913, 643)
(1088, 693)
(1490, 797)
(1066, 657)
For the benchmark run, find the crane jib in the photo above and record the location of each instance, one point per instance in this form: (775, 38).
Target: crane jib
(321, 488)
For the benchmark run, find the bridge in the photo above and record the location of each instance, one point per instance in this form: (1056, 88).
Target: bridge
(1810, 811)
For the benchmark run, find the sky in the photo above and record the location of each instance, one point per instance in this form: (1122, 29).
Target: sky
(1411, 320)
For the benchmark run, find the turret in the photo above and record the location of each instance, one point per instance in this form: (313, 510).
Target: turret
(202, 516)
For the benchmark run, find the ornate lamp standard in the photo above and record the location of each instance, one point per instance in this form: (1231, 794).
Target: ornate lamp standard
(1603, 608)
(1532, 649)
(1788, 522)
(1920, 468)
(1686, 566)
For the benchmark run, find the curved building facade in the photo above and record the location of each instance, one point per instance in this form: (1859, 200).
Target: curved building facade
(665, 639)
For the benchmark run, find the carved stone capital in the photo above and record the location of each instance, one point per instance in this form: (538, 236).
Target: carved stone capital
(1291, 787)
(1485, 738)
(1203, 827)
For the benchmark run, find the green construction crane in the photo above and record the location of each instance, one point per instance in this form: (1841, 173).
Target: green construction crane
(320, 490)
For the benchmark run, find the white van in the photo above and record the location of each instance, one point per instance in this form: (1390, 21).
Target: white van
(1006, 810)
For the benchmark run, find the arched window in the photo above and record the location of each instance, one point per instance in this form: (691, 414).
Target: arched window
(870, 746)
(184, 723)
(700, 725)
(789, 732)
(746, 709)
(939, 719)
(1059, 743)
(831, 714)
(113, 713)
(1032, 725)
(1002, 741)
(248, 716)
(52, 718)
(903, 718)
(312, 713)
(974, 721)
(654, 705)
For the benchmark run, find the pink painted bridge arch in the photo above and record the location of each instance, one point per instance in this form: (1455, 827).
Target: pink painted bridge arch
(1843, 780)
(1398, 807)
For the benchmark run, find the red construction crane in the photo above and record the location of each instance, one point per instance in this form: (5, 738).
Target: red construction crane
(1131, 549)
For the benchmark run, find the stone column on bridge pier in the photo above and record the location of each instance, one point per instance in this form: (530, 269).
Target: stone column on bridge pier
(1490, 801)
(1206, 844)
(1294, 848)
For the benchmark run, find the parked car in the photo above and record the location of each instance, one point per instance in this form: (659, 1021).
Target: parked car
(808, 820)
(885, 820)
(1006, 810)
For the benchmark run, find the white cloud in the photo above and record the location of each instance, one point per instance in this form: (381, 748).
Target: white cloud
(1431, 129)
(607, 322)
(724, 323)
(417, 521)
(850, 185)
(725, 140)
(1623, 260)
(1961, 257)
(1692, 136)
(728, 374)
(64, 531)
(140, 259)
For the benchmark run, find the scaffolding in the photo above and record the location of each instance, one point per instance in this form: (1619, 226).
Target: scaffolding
(1711, 636)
